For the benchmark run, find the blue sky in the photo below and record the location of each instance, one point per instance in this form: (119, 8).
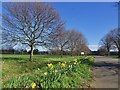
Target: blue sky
(93, 19)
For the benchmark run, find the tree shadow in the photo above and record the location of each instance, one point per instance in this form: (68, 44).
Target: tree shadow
(34, 64)
(106, 64)
(106, 68)
(12, 58)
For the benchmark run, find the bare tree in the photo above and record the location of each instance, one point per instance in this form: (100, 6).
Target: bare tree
(115, 37)
(73, 41)
(112, 40)
(29, 23)
(58, 41)
(77, 42)
(106, 42)
(81, 45)
(67, 41)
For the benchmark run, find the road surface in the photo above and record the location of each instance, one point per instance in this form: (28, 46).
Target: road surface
(105, 73)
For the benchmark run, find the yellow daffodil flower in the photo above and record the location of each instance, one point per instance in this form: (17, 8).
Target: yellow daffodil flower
(38, 68)
(62, 65)
(50, 65)
(33, 85)
(45, 73)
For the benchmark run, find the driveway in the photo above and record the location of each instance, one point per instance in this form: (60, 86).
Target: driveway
(105, 72)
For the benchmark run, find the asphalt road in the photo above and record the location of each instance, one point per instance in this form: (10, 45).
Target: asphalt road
(106, 73)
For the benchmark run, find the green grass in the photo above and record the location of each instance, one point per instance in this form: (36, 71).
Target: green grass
(17, 68)
(114, 56)
(17, 65)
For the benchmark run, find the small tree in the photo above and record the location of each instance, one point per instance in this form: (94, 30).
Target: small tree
(73, 40)
(29, 23)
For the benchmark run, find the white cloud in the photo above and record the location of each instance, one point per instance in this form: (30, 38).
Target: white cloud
(93, 47)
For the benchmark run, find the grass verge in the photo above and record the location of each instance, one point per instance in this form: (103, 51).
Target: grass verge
(61, 73)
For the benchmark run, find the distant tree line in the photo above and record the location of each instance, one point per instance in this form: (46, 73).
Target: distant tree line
(102, 52)
(13, 51)
(36, 51)
(67, 41)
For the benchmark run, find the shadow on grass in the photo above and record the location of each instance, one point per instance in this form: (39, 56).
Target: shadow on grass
(24, 61)
(35, 58)
(12, 58)
(28, 66)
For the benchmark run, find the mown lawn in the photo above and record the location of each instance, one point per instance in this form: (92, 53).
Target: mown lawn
(18, 66)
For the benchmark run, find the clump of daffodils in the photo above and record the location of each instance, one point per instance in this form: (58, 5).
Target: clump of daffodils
(50, 65)
(33, 85)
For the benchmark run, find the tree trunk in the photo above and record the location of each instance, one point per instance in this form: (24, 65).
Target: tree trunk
(71, 52)
(109, 53)
(31, 53)
(118, 53)
(61, 53)
(108, 50)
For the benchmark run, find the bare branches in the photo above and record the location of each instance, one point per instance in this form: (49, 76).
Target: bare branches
(29, 23)
(112, 40)
(67, 40)
(106, 42)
